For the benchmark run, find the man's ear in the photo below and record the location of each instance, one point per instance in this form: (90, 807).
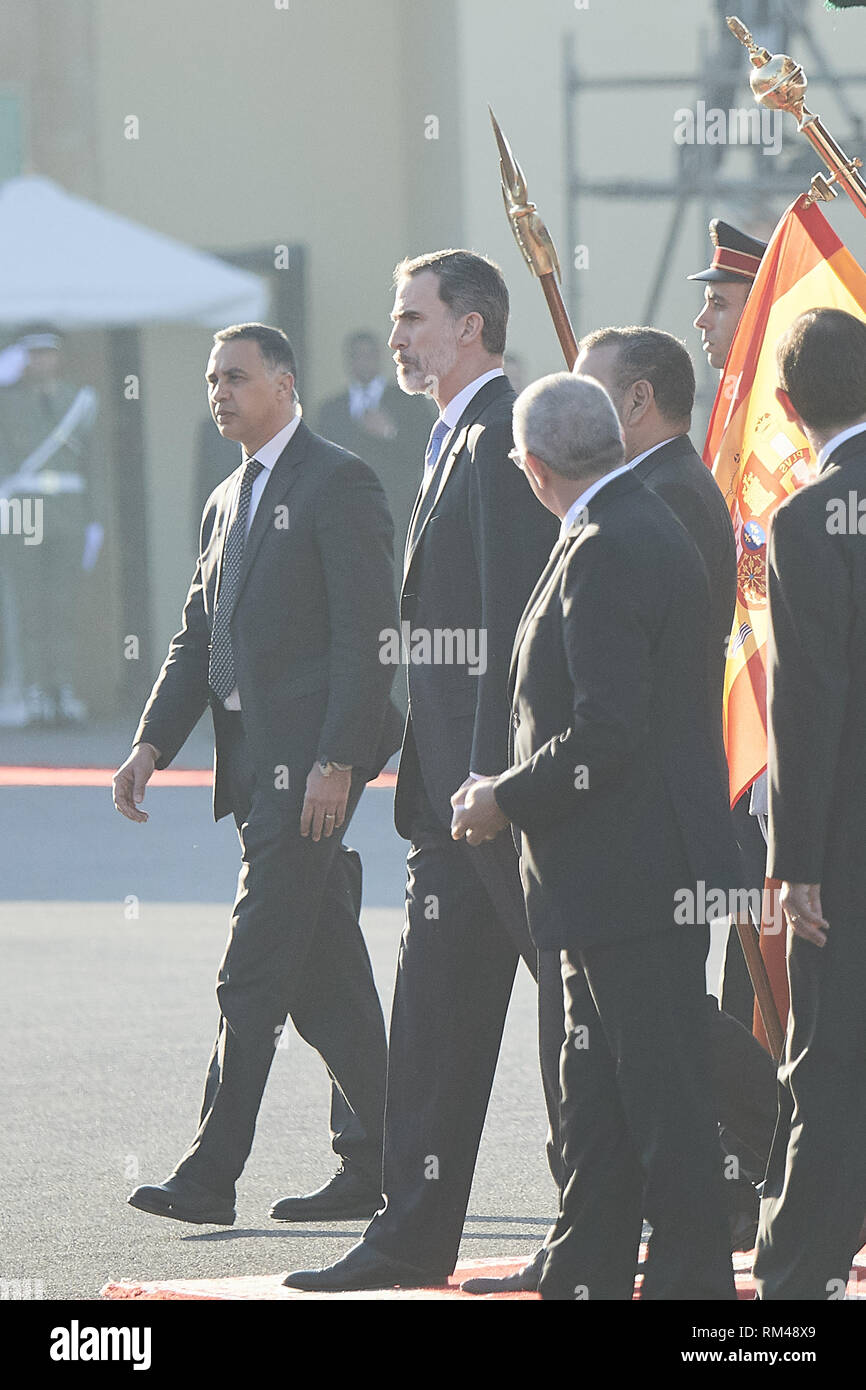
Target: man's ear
(473, 327)
(538, 469)
(636, 401)
(785, 402)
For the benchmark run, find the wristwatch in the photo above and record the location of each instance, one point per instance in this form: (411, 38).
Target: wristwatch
(327, 768)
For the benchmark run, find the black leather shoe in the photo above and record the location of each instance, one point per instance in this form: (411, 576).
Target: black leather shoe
(523, 1280)
(347, 1196)
(184, 1200)
(362, 1268)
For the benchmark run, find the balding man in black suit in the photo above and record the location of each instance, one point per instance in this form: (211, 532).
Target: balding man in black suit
(616, 788)
(650, 379)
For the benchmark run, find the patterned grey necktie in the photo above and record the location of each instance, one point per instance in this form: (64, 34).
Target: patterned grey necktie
(221, 666)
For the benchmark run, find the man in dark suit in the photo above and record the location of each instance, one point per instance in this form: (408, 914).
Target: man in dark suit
(280, 637)
(477, 543)
(616, 787)
(815, 1192)
(376, 420)
(649, 377)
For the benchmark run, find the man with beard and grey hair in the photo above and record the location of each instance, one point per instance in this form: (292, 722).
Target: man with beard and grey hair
(477, 542)
(615, 787)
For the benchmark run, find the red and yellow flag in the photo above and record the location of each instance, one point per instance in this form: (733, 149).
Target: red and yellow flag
(758, 457)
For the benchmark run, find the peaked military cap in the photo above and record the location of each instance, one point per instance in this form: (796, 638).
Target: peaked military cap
(736, 256)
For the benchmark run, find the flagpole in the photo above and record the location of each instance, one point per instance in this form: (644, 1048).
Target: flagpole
(780, 83)
(759, 976)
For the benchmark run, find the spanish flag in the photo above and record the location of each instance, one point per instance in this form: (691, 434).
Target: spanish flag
(758, 458)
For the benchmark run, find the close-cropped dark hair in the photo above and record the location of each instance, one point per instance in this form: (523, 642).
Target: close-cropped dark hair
(648, 354)
(822, 367)
(277, 352)
(468, 283)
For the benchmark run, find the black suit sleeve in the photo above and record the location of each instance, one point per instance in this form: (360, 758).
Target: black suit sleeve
(810, 606)
(607, 651)
(512, 535)
(356, 536)
(180, 693)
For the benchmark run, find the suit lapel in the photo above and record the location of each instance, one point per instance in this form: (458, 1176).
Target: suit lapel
(479, 401)
(426, 503)
(538, 592)
(626, 482)
(678, 447)
(282, 478)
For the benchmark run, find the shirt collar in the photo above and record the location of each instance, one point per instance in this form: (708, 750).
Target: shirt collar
(585, 497)
(268, 454)
(651, 450)
(456, 406)
(833, 444)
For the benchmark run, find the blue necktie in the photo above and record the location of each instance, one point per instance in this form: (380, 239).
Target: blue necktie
(434, 444)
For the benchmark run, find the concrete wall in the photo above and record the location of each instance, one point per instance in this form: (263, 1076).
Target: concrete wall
(310, 121)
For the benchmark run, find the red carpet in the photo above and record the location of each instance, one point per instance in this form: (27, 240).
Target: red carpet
(269, 1286)
(101, 777)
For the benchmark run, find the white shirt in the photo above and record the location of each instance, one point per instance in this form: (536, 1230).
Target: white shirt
(363, 398)
(633, 463)
(833, 444)
(571, 515)
(451, 413)
(267, 456)
(580, 502)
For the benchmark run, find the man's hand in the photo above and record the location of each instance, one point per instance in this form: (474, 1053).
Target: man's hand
(802, 906)
(324, 808)
(130, 781)
(460, 795)
(477, 816)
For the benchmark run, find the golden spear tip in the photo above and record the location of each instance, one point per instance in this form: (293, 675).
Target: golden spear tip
(513, 181)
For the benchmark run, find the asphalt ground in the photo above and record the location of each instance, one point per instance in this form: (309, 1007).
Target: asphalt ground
(110, 935)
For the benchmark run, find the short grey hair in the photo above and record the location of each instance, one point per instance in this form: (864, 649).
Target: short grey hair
(570, 423)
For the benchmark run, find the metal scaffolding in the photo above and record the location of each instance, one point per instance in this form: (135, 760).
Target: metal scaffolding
(704, 174)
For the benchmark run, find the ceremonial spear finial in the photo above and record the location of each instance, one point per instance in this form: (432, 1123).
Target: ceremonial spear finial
(535, 241)
(780, 83)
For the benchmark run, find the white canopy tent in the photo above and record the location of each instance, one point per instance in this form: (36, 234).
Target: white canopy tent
(73, 264)
(78, 265)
